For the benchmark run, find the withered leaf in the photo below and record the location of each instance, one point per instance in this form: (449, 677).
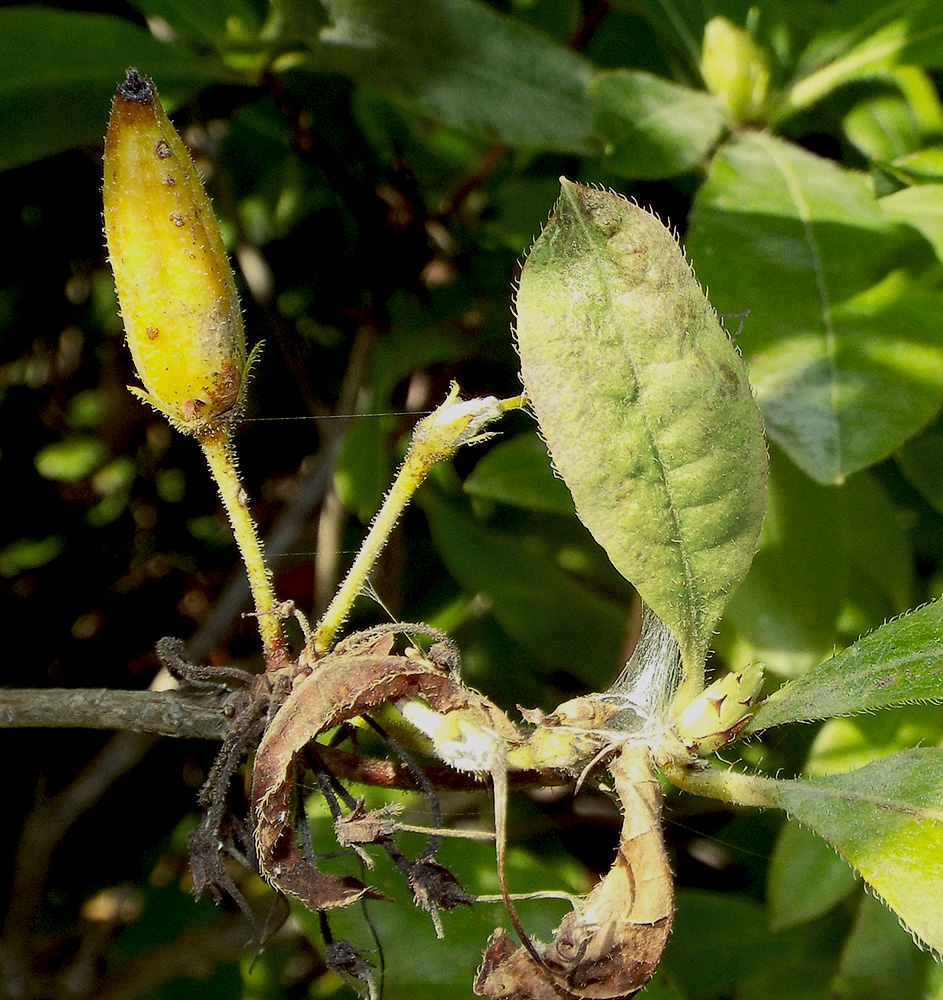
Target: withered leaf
(341, 687)
(362, 826)
(611, 945)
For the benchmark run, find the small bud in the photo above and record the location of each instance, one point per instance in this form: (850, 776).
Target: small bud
(736, 69)
(715, 717)
(175, 285)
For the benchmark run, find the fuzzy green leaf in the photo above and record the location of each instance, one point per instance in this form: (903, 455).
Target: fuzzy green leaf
(886, 819)
(645, 406)
(899, 663)
(843, 344)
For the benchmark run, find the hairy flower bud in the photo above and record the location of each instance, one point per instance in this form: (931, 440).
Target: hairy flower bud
(175, 285)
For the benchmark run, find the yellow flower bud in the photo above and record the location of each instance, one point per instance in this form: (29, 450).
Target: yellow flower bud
(175, 285)
(736, 69)
(715, 717)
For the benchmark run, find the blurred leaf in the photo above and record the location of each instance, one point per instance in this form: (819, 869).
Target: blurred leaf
(518, 472)
(879, 960)
(878, 548)
(920, 167)
(921, 461)
(806, 878)
(843, 744)
(897, 664)
(844, 352)
(887, 820)
(213, 20)
(458, 61)
(29, 553)
(920, 206)
(864, 39)
(545, 609)
(364, 466)
(883, 127)
(787, 608)
(645, 407)
(70, 460)
(720, 942)
(653, 128)
(275, 189)
(59, 70)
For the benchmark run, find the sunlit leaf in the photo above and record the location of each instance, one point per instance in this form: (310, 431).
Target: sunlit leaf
(899, 663)
(645, 407)
(886, 819)
(71, 459)
(844, 349)
(652, 127)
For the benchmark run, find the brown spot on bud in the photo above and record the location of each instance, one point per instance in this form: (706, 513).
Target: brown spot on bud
(152, 333)
(224, 393)
(192, 408)
(162, 150)
(169, 181)
(176, 218)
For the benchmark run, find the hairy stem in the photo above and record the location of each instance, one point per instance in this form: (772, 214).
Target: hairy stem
(218, 448)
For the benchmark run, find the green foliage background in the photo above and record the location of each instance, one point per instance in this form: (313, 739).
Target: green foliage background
(380, 167)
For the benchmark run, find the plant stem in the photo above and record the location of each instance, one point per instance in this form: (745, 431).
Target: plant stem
(411, 474)
(435, 438)
(728, 786)
(218, 448)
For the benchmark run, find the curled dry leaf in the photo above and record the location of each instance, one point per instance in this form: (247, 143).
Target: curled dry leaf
(343, 686)
(611, 945)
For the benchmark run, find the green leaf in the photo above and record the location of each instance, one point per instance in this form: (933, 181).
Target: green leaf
(899, 663)
(920, 206)
(645, 406)
(883, 127)
(886, 819)
(417, 964)
(546, 610)
(788, 606)
(518, 472)
(218, 21)
(879, 960)
(878, 548)
(29, 553)
(843, 744)
(806, 878)
(653, 128)
(364, 466)
(921, 461)
(864, 39)
(459, 61)
(844, 350)
(70, 460)
(59, 70)
(721, 942)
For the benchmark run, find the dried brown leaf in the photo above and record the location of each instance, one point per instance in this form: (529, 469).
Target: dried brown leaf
(343, 686)
(611, 945)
